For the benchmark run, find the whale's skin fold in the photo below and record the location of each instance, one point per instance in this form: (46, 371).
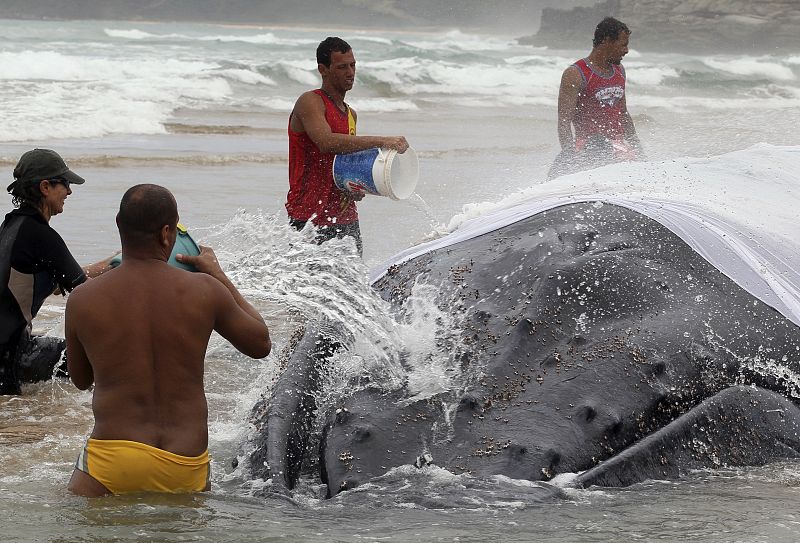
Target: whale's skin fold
(591, 339)
(740, 426)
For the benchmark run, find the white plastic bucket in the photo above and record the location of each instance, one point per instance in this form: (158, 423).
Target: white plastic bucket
(383, 172)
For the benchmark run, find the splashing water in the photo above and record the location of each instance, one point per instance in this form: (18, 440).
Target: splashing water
(763, 362)
(289, 275)
(434, 354)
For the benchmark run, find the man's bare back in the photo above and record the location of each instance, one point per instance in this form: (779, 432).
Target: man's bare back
(140, 333)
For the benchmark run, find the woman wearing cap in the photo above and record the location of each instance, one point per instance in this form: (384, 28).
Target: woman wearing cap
(34, 263)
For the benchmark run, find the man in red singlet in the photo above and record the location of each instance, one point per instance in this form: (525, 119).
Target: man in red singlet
(591, 100)
(321, 126)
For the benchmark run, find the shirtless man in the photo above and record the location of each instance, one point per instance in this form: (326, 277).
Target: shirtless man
(321, 126)
(592, 100)
(140, 333)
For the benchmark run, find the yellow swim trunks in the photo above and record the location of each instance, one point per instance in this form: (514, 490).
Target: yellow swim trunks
(128, 466)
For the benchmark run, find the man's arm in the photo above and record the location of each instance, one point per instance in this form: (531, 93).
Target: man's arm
(235, 320)
(630, 131)
(571, 82)
(309, 111)
(100, 267)
(78, 366)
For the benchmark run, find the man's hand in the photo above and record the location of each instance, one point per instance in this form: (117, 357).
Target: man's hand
(398, 143)
(205, 262)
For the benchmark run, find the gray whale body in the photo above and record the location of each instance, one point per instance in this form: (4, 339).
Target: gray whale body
(600, 344)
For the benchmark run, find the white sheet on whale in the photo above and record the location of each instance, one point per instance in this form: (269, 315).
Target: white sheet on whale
(717, 216)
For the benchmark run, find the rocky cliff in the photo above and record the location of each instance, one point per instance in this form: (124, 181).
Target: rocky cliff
(736, 26)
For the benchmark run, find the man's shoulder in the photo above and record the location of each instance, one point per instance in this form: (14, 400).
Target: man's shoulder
(169, 277)
(119, 284)
(203, 280)
(96, 287)
(198, 282)
(83, 295)
(311, 96)
(572, 75)
(309, 102)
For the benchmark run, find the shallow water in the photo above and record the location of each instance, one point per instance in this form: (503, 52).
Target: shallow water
(202, 110)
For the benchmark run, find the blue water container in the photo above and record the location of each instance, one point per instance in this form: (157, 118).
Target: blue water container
(184, 244)
(353, 172)
(383, 172)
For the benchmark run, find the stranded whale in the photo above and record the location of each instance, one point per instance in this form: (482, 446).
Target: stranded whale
(595, 340)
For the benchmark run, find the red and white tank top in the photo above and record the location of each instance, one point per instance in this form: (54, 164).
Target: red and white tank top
(312, 192)
(599, 107)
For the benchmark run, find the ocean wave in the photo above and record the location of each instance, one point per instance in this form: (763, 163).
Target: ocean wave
(247, 76)
(222, 129)
(360, 104)
(755, 100)
(132, 34)
(382, 105)
(259, 39)
(52, 94)
(413, 75)
(52, 65)
(134, 81)
(753, 67)
(273, 103)
(643, 74)
(506, 100)
(460, 41)
(303, 72)
(360, 37)
(63, 110)
(149, 161)
(537, 60)
(776, 91)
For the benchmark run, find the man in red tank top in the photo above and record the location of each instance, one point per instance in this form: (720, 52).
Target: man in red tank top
(321, 126)
(591, 100)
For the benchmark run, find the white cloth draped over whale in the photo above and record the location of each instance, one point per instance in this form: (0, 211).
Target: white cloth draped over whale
(766, 266)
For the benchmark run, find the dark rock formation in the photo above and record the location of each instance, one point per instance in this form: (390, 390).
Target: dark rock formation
(733, 26)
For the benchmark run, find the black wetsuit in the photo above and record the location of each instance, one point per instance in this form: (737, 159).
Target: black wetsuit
(34, 260)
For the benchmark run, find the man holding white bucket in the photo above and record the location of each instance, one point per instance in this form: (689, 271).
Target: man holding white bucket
(321, 126)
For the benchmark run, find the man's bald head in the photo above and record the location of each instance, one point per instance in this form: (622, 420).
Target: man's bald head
(143, 212)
